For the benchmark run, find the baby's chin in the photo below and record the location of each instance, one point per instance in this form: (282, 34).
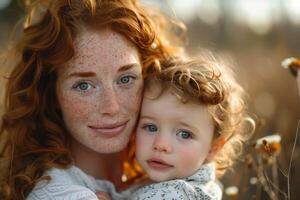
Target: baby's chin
(161, 176)
(161, 179)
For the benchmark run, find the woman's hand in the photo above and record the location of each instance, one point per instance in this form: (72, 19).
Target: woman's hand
(103, 196)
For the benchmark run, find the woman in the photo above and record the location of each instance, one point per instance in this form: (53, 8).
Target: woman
(73, 96)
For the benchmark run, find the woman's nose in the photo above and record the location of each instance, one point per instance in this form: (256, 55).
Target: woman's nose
(109, 102)
(162, 144)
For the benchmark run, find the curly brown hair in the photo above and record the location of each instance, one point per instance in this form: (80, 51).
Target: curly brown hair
(211, 82)
(33, 135)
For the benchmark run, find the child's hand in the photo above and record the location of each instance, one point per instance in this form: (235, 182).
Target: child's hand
(103, 196)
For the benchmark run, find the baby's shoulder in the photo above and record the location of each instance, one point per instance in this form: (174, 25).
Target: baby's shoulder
(179, 189)
(175, 189)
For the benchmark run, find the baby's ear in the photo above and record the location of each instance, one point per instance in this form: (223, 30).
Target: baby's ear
(216, 146)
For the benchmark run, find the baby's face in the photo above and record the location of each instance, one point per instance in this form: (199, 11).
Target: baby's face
(173, 138)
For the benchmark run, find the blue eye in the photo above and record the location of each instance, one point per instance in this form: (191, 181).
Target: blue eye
(184, 134)
(150, 127)
(126, 79)
(83, 86)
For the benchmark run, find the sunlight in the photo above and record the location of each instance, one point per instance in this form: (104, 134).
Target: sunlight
(293, 11)
(187, 9)
(209, 11)
(258, 15)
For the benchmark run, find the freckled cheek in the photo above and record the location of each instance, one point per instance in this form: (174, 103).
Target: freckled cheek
(74, 108)
(131, 99)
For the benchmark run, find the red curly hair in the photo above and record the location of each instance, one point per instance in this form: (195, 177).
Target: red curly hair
(33, 135)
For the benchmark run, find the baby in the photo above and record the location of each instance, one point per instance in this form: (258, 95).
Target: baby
(191, 129)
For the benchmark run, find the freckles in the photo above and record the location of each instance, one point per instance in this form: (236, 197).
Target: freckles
(77, 109)
(85, 40)
(107, 48)
(132, 99)
(139, 92)
(123, 55)
(79, 60)
(86, 48)
(73, 107)
(119, 49)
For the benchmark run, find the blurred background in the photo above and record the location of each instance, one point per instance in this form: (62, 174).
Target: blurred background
(255, 36)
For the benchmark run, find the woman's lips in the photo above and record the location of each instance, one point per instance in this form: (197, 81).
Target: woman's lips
(109, 130)
(158, 164)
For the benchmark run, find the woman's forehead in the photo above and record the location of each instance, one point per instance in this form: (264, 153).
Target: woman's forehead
(89, 36)
(105, 50)
(89, 41)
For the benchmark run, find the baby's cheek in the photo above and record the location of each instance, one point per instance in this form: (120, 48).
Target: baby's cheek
(190, 159)
(143, 145)
(140, 141)
(186, 155)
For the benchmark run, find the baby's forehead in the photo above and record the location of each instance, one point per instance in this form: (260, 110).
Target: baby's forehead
(158, 91)
(168, 106)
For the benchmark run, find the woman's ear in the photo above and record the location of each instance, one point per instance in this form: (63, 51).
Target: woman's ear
(216, 146)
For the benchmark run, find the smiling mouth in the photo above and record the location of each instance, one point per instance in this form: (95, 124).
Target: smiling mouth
(110, 130)
(158, 164)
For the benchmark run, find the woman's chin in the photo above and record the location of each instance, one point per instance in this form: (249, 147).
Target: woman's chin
(111, 145)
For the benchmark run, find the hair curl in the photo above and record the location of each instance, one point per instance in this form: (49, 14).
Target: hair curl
(33, 136)
(210, 82)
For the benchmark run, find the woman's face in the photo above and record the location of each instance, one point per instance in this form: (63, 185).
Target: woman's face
(99, 91)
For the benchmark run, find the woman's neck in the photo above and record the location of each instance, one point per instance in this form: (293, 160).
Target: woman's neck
(100, 166)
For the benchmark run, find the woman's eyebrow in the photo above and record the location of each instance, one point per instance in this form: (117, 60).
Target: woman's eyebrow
(91, 74)
(82, 74)
(129, 66)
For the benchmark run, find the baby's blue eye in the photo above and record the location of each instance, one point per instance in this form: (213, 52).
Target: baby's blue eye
(184, 134)
(150, 127)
